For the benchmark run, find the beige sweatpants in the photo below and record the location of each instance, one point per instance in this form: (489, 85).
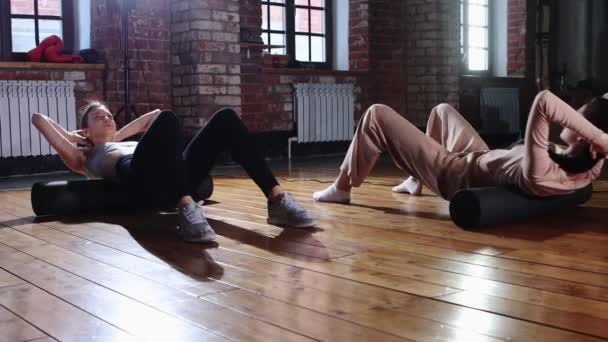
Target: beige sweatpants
(437, 159)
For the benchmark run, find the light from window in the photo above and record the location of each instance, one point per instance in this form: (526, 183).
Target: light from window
(274, 25)
(31, 23)
(474, 30)
(310, 31)
(301, 24)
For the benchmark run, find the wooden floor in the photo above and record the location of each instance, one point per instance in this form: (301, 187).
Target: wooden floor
(388, 267)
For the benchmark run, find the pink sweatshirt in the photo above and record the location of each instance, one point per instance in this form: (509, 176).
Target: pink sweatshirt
(529, 166)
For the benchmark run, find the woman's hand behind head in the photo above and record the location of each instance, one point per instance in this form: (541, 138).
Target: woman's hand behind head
(600, 147)
(77, 138)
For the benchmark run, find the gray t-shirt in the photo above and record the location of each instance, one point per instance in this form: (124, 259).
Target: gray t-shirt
(103, 158)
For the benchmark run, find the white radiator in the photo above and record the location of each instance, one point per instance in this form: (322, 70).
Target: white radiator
(18, 100)
(500, 110)
(324, 112)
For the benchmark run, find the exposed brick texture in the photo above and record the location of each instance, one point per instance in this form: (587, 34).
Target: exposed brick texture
(414, 55)
(149, 52)
(206, 56)
(387, 53)
(267, 98)
(432, 55)
(517, 38)
(358, 34)
(185, 55)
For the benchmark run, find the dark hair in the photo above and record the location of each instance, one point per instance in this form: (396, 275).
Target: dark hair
(582, 161)
(87, 109)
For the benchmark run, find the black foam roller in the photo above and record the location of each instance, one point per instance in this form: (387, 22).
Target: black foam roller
(477, 207)
(65, 198)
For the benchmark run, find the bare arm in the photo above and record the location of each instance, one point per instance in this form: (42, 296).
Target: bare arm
(73, 157)
(137, 126)
(73, 137)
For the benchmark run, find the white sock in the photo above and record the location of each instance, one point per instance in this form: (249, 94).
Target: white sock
(332, 195)
(409, 186)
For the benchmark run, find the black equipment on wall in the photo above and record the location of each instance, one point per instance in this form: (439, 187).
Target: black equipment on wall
(127, 111)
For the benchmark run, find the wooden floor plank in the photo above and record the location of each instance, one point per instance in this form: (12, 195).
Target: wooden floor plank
(521, 294)
(553, 300)
(93, 270)
(571, 261)
(561, 273)
(556, 279)
(15, 329)
(7, 279)
(143, 308)
(56, 317)
(395, 328)
(149, 267)
(345, 296)
(314, 325)
(131, 316)
(356, 213)
(565, 320)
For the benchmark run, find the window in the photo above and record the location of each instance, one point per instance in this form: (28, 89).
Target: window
(475, 33)
(25, 23)
(299, 28)
(274, 25)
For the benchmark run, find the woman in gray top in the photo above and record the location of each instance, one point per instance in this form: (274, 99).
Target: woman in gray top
(159, 170)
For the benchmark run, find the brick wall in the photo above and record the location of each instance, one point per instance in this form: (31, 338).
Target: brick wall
(386, 53)
(415, 54)
(205, 54)
(358, 35)
(264, 99)
(517, 38)
(407, 51)
(434, 60)
(267, 94)
(149, 52)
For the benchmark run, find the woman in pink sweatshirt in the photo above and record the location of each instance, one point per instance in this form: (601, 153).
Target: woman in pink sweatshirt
(452, 156)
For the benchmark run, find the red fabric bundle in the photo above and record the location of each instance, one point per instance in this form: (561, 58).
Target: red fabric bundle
(51, 50)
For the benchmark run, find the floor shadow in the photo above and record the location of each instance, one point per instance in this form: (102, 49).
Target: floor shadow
(290, 240)
(576, 220)
(572, 221)
(404, 212)
(156, 233)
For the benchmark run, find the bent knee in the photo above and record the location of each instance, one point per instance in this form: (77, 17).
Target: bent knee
(167, 115)
(380, 111)
(167, 119)
(226, 114)
(543, 96)
(443, 109)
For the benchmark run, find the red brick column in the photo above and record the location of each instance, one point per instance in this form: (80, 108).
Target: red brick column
(206, 58)
(386, 53)
(358, 35)
(517, 38)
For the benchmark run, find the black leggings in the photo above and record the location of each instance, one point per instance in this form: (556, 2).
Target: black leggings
(161, 172)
